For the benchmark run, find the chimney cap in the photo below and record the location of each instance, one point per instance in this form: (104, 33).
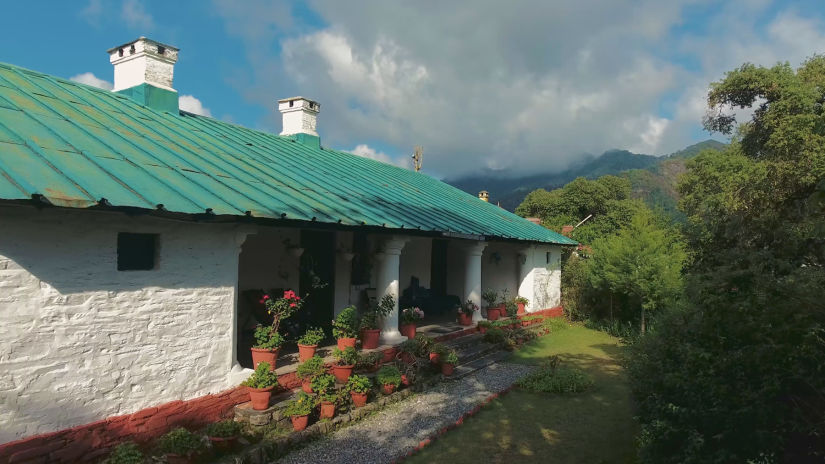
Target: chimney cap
(145, 39)
(306, 103)
(484, 195)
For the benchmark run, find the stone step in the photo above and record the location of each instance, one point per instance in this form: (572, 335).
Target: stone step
(463, 370)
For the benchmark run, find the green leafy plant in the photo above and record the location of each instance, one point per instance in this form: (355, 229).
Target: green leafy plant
(267, 338)
(494, 335)
(125, 453)
(438, 348)
(180, 441)
(345, 325)
(324, 386)
(490, 297)
(552, 378)
(282, 308)
(359, 384)
(504, 296)
(224, 429)
(262, 377)
(522, 300)
(369, 360)
(468, 308)
(483, 324)
(347, 357)
(511, 308)
(450, 357)
(312, 336)
(301, 405)
(388, 375)
(411, 315)
(369, 320)
(423, 345)
(310, 368)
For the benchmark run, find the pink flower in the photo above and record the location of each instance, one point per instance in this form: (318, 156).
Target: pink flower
(292, 305)
(266, 297)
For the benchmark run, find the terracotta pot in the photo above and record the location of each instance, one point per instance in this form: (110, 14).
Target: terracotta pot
(299, 422)
(526, 323)
(327, 409)
(434, 357)
(342, 373)
(223, 443)
(343, 343)
(358, 399)
(389, 355)
(482, 329)
(306, 386)
(492, 314)
(260, 397)
(369, 338)
(447, 369)
(388, 388)
(173, 458)
(408, 330)
(465, 319)
(520, 308)
(306, 351)
(264, 355)
(405, 381)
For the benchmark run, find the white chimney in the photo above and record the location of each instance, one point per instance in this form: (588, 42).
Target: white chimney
(143, 61)
(300, 115)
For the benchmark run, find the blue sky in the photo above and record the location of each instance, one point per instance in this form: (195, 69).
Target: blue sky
(483, 85)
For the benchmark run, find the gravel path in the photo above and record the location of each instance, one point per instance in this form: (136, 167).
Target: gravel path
(399, 428)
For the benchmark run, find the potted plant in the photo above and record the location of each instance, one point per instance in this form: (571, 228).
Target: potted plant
(344, 363)
(449, 360)
(308, 343)
(466, 312)
(267, 343)
(223, 434)
(521, 302)
(504, 296)
(483, 326)
(180, 445)
(369, 362)
(308, 370)
(125, 453)
(344, 327)
(408, 350)
(389, 377)
(490, 297)
(299, 409)
(409, 321)
(358, 387)
(324, 386)
(511, 308)
(436, 349)
(369, 321)
(260, 385)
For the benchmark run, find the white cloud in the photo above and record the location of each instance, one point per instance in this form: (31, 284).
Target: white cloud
(92, 12)
(193, 105)
(90, 79)
(134, 14)
(368, 152)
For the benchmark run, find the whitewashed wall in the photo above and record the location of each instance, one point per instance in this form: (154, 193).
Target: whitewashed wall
(415, 261)
(81, 341)
(500, 269)
(542, 277)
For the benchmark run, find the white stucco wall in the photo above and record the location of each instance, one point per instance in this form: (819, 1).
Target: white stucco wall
(81, 341)
(542, 277)
(499, 268)
(415, 261)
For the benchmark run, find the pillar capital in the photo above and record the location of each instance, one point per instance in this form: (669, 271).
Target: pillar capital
(392, 246)
(474, 248)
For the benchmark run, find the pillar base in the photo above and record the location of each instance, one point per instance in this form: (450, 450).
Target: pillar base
(391, 337)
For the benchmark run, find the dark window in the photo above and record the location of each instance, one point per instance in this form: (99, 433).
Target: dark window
(548, 257)
(161, 50)
(137, 252)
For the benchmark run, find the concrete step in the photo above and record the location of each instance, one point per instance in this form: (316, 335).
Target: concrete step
(463, 370)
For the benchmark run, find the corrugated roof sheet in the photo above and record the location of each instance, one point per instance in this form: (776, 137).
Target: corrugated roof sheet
(77, 146)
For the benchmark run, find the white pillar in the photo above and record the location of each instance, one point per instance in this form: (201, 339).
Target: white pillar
(526, 277)
(343, 279)
(472, 275)
(389, 270)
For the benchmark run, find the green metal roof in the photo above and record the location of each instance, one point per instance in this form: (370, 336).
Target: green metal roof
(78, 146)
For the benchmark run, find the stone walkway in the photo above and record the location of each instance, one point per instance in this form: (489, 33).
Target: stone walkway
(398, 429)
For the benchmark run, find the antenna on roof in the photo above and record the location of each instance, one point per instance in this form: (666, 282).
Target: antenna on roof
(418, 153)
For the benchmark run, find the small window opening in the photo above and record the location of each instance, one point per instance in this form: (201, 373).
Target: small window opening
(137, 252)
(132, 49)
(120, 52)
(547, 257)
(161, 50)
(291, 103)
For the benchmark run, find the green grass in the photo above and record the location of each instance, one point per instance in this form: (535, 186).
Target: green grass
(591, 427)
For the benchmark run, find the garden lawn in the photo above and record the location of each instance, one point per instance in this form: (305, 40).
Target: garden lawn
(596, 426)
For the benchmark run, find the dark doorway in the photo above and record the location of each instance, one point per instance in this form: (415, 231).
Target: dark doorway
(317, 280)
(438, 270)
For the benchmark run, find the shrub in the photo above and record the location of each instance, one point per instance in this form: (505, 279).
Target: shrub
(310, 368)
(494, 335)
(347, 357)
(262, 377)
(552, 378)
(125, 453)
(302, 405)
(345, 325)
(388, 375)
(267, 338)
(224, 429)
(359, 384)
(312, 336)
(180, 441)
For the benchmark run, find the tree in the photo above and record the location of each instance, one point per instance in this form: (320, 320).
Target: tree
(643, 260)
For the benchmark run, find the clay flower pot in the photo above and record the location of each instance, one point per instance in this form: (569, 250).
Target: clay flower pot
(358, 399)
(389, 355)
(434, 358)
(408, 330)
(299, 422)
(306, 351)
(173, 458)
(388, 388)
(327, 409)
(223, 444)
(465, 319)
(343, 343)
(306, 386)
(447, 369)
(482, 329)
(260, 397)
(264, 355)
(520, 308)
(369, 338)
(405, 381)
(492, 314)
(342, 373)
